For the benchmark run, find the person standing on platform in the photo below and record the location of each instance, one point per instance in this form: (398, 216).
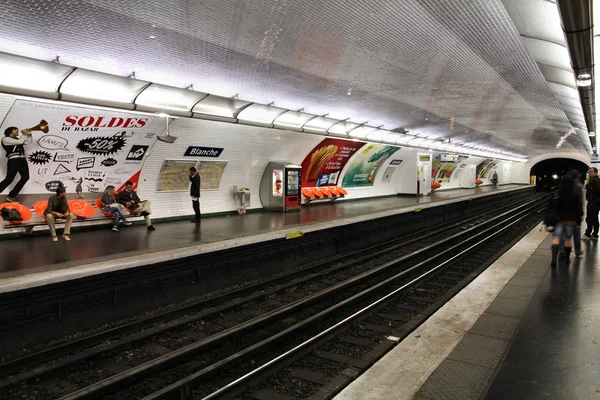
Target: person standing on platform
(195, 193)
(130, 199)
(15, 154)
(58, 207)
(569, 206)
(592, 195)
(578, 187)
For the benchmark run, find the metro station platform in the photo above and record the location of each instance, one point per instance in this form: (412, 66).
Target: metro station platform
(29, 262)
(521, 330)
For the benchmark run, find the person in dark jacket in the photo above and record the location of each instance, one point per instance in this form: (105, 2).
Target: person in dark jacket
(58, 207)
(578, 187)
(569, 207)
(592, 195)
(195, 193)
(130, 199)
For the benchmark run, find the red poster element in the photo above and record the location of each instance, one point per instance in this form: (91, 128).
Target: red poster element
(322, 166)
(134, 179)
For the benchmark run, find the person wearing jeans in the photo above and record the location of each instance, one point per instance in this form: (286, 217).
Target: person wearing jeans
(59, 208)
(109, 205)
(569, 206)
(577, 187)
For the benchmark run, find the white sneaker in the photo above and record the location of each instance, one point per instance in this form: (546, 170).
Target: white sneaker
(115, 229)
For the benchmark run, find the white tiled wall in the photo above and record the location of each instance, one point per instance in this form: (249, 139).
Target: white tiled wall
(247, 150)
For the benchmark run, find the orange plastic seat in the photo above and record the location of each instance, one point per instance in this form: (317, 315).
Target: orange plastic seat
(317, 192)
(326, 192)
(81, 208)
(334, 190)
(25, 212)
(99, 207)
(40, 207)
(308, 193)
(342, 191)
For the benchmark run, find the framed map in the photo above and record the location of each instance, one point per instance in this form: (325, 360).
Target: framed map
(210, 174)
(174, 176)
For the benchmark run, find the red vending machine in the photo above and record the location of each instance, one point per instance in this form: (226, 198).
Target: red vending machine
(280, 187)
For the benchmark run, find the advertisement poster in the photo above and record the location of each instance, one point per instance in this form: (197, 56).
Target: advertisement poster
(174, 176)
(210, 174)
(484, 167)
(364, 166)
(277, 182)
(441, 171)
(322, 166)
(83, 146)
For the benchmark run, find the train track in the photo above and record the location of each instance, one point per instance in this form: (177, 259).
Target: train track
(216, 333)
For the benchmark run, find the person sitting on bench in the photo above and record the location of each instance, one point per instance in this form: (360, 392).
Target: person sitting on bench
(130, 199)
(110, 205)
(59, 208)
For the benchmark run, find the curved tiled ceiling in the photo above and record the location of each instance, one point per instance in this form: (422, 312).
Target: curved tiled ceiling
(539, 24)
(439, 68)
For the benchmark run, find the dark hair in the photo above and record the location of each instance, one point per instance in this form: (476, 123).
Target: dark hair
(9, 130)
(594, 168)
(565, 189)
(128, 183)
(193, 169)
(278, 180)
(574, 174)
(60, 189)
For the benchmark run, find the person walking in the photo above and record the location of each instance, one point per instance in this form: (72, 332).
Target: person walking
(17, 163)
(592, 195)
(195, 193)
(569, 206)
(578, 187)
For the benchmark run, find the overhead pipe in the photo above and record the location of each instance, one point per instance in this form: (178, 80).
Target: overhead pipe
(577, 23)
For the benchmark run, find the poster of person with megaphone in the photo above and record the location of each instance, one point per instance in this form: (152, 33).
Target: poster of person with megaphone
(13, 145)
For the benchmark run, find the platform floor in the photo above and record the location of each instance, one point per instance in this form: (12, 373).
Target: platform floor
(30, 255)
(521, 330)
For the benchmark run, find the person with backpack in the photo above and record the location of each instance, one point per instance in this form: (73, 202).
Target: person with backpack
(578, 187)
(592, 195)
(569, 208)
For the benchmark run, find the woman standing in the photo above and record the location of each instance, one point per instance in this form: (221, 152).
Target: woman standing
(109, 205)
(569, 207)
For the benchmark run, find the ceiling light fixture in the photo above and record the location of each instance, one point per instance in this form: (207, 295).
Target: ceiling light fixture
(584, 80)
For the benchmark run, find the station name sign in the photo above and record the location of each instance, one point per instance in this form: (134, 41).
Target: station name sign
(195, 151)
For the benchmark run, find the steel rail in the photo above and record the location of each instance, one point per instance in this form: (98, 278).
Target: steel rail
(117, 381)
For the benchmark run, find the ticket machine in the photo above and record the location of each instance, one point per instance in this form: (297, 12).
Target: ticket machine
(280, 187)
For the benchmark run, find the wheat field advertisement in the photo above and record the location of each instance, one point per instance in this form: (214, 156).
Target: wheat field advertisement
(81, 147)
(365, 165)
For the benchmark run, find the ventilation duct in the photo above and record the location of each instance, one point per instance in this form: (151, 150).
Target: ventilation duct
(577, 24)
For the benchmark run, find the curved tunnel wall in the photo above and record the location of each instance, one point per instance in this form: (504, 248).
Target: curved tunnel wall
(247, 150)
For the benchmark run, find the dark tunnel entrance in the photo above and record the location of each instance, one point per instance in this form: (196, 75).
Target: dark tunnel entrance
(549, 172)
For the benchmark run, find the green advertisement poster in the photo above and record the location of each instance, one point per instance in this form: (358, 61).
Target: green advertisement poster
(366, 164)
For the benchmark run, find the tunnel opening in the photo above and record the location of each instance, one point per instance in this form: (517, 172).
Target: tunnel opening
(549, 172)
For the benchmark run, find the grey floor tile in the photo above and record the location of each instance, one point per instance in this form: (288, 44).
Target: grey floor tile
(508, 307)
(455, 380)
(517, 292)
(493, 325)
(479, 350)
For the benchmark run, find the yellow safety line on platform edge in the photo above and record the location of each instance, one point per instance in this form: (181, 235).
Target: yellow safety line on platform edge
(294, 235)
(418, 209)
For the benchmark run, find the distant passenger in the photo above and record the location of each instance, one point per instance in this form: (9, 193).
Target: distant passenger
(15, 154)
(195, 193)
(130, 199)
(110, 205)
(592, 195)
(495, 178)
(58, 208)
(570, 213)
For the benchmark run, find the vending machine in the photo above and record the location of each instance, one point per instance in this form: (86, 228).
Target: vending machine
(280, 187)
